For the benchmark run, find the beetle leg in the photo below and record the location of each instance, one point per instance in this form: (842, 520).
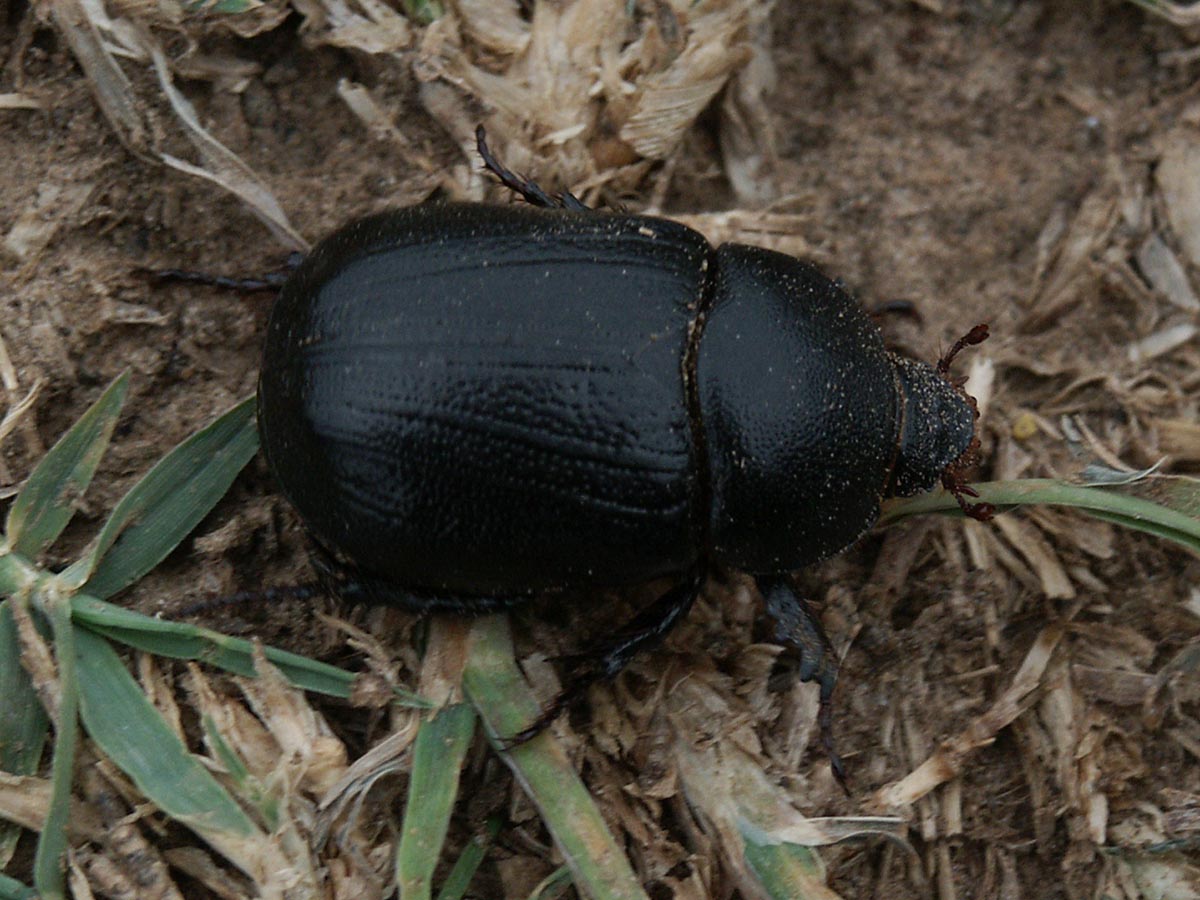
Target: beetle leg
(798, 629)
(530, 190)
(271, 281)
(646, 630)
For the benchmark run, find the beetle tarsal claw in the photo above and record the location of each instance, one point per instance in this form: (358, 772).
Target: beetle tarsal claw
(954, 480)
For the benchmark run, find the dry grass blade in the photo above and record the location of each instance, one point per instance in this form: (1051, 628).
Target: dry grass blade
(111, 87)
(17, 100)
(44, 218)
(778, 231)
(1070, 266)
(1162, 267)
(83, 25)
(1040, 555)
(227, 169)
(947, 762)
(671, 99)
(763, 840)
(1180, 439)
(23, 723)
(1179, 185)
(315, 756)
(1183, 14)
(24, 800)
(1161, 342)
(127, 852)
(14, 414)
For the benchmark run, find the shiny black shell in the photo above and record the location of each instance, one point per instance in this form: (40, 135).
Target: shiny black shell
(487, 401)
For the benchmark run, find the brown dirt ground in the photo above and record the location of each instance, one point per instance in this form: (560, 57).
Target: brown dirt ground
(936, 152)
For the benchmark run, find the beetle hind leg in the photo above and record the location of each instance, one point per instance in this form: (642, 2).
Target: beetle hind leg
(809, 655)
(269, 282)
(530, 190)
(646, 630)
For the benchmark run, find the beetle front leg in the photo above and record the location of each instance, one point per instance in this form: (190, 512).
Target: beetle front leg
(646, 630)
(799, 631)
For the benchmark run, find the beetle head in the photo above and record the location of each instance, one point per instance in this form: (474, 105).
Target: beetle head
(937, 439)
(937, 428)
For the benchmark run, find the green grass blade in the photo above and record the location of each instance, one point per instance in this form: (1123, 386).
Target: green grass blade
(248, 789)
(553, 885)
(438, 755)
(49, 863)
(47, 502)
(18, 575)
(221, 7)
(1159, 505)
(130, 731)
(11, 889)
(160, 510)
(23, 723)
(498, 691)
(469, 861)
(1174, 492)
(786, 871)
(182, 640)
(423, 12)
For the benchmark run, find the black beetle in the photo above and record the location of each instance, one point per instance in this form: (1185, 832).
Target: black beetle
(470, 403)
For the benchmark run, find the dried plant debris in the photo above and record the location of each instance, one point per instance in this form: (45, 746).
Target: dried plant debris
(1067, 270)
(590, 96)
(100, 37)
(275, 754)
(1183, 14)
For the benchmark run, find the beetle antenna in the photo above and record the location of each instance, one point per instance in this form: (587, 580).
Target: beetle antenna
(976, 335)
